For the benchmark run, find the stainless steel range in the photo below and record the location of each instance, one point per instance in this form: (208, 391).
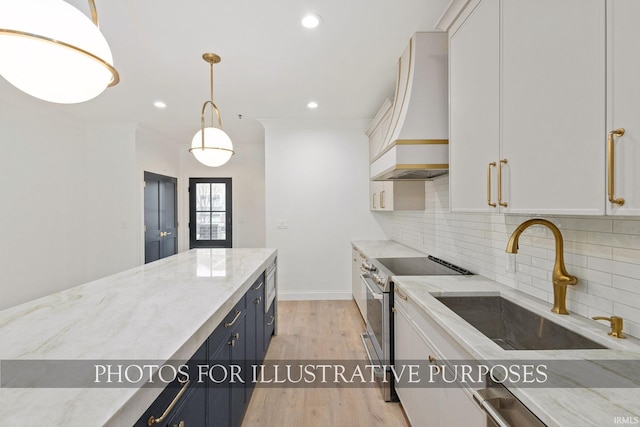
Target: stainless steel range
(378, 339)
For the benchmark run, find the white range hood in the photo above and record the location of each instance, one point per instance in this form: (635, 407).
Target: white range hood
(416, 142)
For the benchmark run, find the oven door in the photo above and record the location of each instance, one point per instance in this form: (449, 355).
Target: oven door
(377, 340)
(375, 317)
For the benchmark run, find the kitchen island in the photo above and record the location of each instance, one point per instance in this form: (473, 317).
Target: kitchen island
(163, 311)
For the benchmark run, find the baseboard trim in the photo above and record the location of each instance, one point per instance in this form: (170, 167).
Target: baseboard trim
(314, 295)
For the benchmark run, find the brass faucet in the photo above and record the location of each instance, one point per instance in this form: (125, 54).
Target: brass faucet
(560, 276)
(616, 325)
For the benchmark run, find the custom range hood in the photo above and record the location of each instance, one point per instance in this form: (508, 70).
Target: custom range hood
(416, 144)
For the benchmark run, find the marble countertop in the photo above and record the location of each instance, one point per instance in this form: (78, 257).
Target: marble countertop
(575, 406)
(161, 311)
(385, 249)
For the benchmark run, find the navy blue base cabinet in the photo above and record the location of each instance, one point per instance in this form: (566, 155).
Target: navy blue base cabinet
(228, 356)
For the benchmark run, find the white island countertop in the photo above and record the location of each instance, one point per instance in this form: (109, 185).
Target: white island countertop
(161, 311)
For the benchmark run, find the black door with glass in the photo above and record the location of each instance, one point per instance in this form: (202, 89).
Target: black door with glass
(160, 216)
(210, 212)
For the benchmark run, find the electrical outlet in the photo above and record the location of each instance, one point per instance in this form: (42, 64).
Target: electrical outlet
(282, 224)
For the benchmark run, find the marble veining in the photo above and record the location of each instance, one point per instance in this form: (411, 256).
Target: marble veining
(160, 311)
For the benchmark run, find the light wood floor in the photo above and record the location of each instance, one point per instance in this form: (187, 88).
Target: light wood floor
(319, 330)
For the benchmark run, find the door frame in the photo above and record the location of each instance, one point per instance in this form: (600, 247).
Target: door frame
(228, 242)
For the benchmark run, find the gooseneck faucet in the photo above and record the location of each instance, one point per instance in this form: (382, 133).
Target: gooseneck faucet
(560, 276)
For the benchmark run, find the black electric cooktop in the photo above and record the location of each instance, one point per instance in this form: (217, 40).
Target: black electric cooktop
(421, 266)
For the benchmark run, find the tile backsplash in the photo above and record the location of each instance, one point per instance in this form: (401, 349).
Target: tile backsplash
(603, 252)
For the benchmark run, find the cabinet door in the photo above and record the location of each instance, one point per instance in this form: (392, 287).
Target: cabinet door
(553, 105)
(624, 102)
(460, 409)
(421, 404)
(375, 188)
(192, 410)
(474, 76)
(239, 362)
(218, 391)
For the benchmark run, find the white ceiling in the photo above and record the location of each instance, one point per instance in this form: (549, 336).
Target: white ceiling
(271, 65)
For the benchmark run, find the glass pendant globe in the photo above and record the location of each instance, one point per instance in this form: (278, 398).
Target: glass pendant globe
(214, 139)
(46, 70)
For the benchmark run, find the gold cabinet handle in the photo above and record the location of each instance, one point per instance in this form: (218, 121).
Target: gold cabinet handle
(611, 160)
(382, 199)
(434, 360)
(162, 234)
(273, 319)
(259, 286)
(397, 291)
(153, 420)
(258, 300)
(230, 324)
(492, 164)
(180, 424)
(500, 202)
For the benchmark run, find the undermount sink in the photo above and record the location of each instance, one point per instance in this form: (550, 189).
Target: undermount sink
(513, 327)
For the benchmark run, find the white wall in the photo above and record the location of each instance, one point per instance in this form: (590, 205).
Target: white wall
(69, 208)
(603, 252)
(316, 181)
(246, 169)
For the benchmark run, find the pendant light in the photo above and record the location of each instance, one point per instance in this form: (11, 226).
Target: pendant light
(52, 51)
(211, 145)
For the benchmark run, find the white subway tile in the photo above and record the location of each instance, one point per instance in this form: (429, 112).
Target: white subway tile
(626, 283)
(615, 267)
(626, 255)
(626, 227)
(603, 225)
(616, 240)
(628, 313)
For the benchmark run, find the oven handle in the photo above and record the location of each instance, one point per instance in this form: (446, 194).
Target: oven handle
(378, 295)
(377, 369)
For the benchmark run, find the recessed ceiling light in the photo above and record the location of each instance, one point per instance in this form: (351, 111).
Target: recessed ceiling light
(312, 105)
(159, 104)
(311, 20)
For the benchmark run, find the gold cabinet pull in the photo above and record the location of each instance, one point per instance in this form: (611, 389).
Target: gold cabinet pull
(500, 202)
(258, 300)
(434, 360)
(259, 286)
(153, 420)
(273, 319)
(611, 160)
(397, 291)
(382, 199)
(180, 424)
(229, 324)
(492, 164)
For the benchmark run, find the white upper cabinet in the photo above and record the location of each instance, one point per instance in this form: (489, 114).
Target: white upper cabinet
(535, 88)
(553, 106)
(474, 64)
(623, 103)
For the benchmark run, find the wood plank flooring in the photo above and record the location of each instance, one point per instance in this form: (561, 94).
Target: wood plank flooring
(320, 330)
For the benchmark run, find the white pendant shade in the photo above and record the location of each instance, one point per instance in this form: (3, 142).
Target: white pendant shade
(217, 147)
(47, 70)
